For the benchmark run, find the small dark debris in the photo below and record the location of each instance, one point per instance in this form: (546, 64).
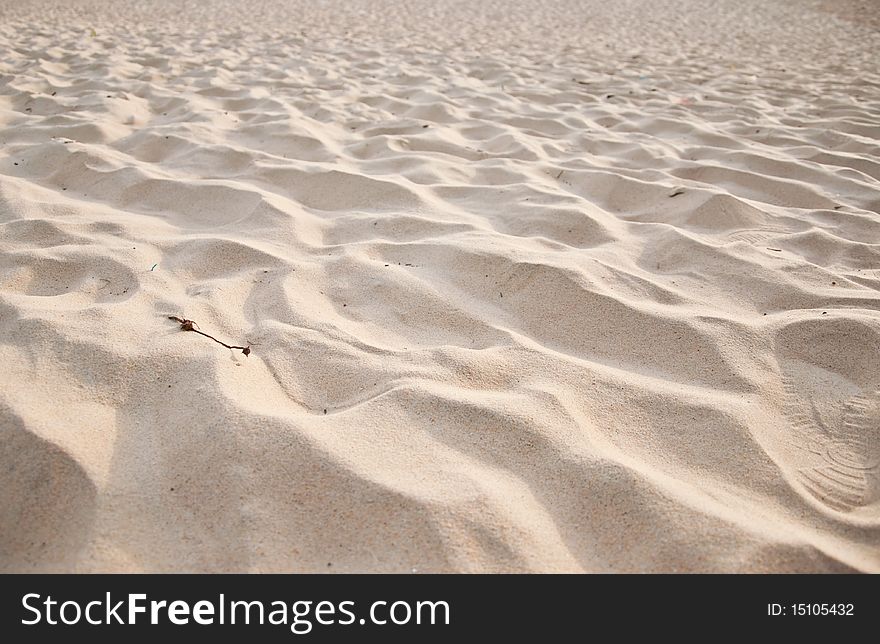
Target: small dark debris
(838, 207)
(775, 250)
(189, 325)
(833, 283)
(424, 126)
(609, 95)
(325, 411)
(824, 312)
(676, 192)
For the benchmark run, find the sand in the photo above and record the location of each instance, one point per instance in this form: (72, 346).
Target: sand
(528, 286)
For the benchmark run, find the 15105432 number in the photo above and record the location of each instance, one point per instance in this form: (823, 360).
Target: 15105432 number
(822, 609)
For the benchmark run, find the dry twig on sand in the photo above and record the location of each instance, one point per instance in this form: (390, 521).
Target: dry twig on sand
(189, 325)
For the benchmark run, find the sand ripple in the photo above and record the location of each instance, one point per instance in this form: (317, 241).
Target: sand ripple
(530, 286)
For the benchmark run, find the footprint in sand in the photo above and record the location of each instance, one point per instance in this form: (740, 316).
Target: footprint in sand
(831, 372)
(755, 237)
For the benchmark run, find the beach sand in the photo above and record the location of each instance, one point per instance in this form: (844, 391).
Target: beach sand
(527, 286)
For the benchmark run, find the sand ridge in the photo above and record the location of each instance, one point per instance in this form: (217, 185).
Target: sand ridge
(529, 286)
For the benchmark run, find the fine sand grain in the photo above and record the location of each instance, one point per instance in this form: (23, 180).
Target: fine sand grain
(527, 285)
